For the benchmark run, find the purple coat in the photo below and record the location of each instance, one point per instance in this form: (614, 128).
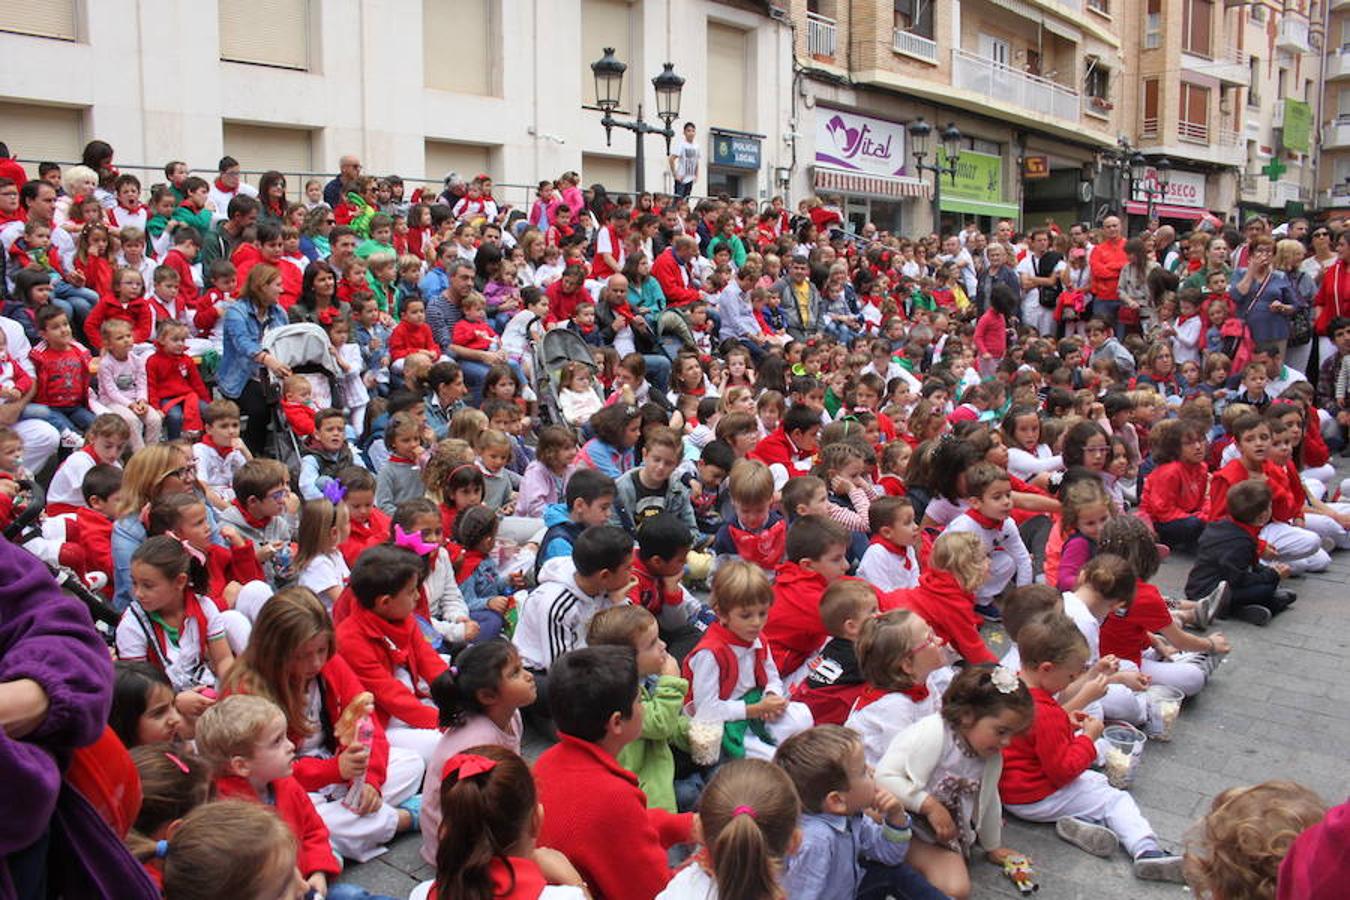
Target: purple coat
(48, 636)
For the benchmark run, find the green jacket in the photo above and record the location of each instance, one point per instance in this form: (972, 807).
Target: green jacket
(738, 252)
(216, 244)
(370, 246)
(663, 723)
(360, 223)
(198, 220)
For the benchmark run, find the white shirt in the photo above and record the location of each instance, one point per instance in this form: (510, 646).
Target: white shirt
(222, 199)
(183, 662)
(707, 681)
(1027, 465)
(216, 470)
(886, 571)
(1087, 623)
(880, 721)
(323, 573)
(686, 163)
(1027, 266)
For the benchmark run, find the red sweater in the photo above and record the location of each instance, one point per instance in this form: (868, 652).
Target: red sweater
(1287, 495)
(948, 608)
(1176, 490)
(561, 304)
(1232, 473)
(991, 334)
(136, 314)
(187, 288)
(592, 799)
(374, 530)
(674, 278)
(172, 378)
(295, 808)
(1333, 297)
(97, 273)
(794, 630)
(1105, 263)
(778, 448)
(62, 375)
(94, 534)
(1127, 636)
(375, 648)
(1045, 757)
(475, 336)
(226, 564)
(408, 338)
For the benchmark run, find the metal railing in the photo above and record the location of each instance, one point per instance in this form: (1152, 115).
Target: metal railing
(916, 45)
(1002, 84)
(1196, 132)
(820, 35)
(1149, 128)
(1230, 138)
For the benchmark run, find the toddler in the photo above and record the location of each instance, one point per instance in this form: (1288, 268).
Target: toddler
(176, 388)
(577, 395)
(123, 386)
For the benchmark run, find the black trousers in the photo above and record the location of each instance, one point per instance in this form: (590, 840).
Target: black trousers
(256, 409)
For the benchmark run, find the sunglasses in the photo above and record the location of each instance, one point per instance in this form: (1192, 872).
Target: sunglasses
(1321, 234)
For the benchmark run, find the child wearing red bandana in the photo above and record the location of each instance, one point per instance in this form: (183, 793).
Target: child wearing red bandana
(176, 386)
(816, 550)
(756, 533)
(1231, 550)
(946, 594)
(891, 562)
(105, 439)
(989, 517)
(903, 660)
(129, 211)
(834, 681)
(220, 453)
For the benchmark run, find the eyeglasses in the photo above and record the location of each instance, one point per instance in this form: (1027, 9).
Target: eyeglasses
(1095, 449)
(933, 640)
(186, 473)
(279, 496)
(1321, 234)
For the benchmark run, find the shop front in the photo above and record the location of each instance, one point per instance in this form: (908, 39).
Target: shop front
(1180, 203)
(976, 194)
(1053, 191)
(734, 163)
(862, 160)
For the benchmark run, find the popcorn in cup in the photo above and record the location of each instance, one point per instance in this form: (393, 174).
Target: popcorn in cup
(1164, 705)
(1123, 755)
(705, 738)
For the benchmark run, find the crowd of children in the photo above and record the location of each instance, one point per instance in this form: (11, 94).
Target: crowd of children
(732, 557)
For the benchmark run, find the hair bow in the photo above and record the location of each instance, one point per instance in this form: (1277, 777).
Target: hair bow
(412, 540)
(329, 315)
(467, 765)
(192, 551)
(334, 492)
(1004, 679)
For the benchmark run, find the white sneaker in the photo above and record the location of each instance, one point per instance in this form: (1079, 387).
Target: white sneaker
(72, 440)
(95, 581)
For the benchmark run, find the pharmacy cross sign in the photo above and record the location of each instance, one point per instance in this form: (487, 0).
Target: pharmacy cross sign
(1274, 169)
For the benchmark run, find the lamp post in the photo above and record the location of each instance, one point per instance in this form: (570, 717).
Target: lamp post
(608, 72)
(919, 134)
(1154, 190)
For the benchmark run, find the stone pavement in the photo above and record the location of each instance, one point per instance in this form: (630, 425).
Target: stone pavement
(1278, 707)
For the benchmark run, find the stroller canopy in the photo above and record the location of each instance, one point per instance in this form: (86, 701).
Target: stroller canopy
(302, 344)
(561, 346)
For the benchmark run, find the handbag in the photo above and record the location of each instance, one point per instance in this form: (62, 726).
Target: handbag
(1300, 327)
(1045, 267)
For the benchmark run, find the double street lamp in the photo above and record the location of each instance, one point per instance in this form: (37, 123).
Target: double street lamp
(1154, 190)
(608, 72)
(919, 134)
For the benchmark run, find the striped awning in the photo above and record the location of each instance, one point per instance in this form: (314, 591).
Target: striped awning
(856, 183)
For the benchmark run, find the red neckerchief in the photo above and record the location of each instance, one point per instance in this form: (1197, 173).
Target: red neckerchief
(220, 186)
(192, 610)
(1182, 320)
(513, 878)
(1255, 535)
(402, 459)
(89, 449)
(984, 521)
(467, 565)
(223, 451)
(918, 693)
(259, 524)
(397, 636)
(892, 547)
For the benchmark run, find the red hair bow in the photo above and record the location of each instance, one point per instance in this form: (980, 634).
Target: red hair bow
(329, 315)
(467, 765)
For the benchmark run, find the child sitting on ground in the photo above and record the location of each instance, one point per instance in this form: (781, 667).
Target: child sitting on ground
(499, 482)
(649, 489)
(891, 562)
(487, 593)
(221, 453)
(946, 593)
(988, 516)
(325, 453)
(815, 559)
(756, 532)
(368, 525)
(258, 514)
(658, 567)
(834, 680)
(400, 478)
(587, 501)
(1231, 553)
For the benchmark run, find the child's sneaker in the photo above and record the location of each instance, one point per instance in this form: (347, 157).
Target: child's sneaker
(989, 611)
(1212, 606)
(1255, 614)
(1156, 865)
(1095, 839)
(72, 440)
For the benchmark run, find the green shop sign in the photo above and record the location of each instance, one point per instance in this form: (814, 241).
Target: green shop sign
(979, 176)
(1297, 125)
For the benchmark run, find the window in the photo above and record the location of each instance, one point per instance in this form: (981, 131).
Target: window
(265, 32)
(47, 132)
(1258, 12)
(1197, 18)
(42, 18)
(995, 49)
(1254, 72)
(443, 157)
(1149, 127)
(1193, 115)
(614, 172)
(1153, 25)
(457, 46)
(1101, 6)
(728, 53)
(288, 150)
(1280, 82)
(915, 16)
(1097, 83)
(607, 23)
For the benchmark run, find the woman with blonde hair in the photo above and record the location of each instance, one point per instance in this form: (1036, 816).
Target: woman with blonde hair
(1289, 256)
(150, 473)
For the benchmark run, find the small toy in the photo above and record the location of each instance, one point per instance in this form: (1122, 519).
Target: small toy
(1019, 871)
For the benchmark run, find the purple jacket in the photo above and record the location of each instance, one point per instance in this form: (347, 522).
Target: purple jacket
(49, 637)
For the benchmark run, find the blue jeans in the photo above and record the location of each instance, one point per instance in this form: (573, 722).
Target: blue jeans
(66, 418)
(901, 880)
(490, 623)
(353, 892)
(474, 375)
(76, 301)
(173, 418)
(658, 370)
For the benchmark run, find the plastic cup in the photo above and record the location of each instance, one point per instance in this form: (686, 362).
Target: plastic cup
(1164, 702)
(1123, 755)
(705, 738)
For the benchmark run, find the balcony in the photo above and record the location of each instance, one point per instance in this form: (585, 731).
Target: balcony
(1193, 132)
(1149, 128)
(1002, 85)
(820, 37)
(1228, 65)
(907, 43)
(1277, 119)
(1336, 135)
(1292, 34)
(1337, 65)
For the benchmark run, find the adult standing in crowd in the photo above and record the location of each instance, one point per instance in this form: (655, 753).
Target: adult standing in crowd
(1263, 295)
(1106, 261)
(240, 376)
(684, 162)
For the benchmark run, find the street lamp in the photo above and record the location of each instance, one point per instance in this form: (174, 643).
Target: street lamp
(1155, 190)
(608, 72)
(919, 134)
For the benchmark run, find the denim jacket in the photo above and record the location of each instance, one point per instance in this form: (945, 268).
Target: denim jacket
(243, 340)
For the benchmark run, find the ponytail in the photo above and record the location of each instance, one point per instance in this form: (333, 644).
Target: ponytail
(742, 861)
(749, 813)
(477, 668)
(487, 799)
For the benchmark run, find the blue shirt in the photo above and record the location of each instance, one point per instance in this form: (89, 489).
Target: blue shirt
(827, 862)
(243, 341)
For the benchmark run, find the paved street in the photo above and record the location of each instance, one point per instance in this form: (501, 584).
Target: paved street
(1277, 708)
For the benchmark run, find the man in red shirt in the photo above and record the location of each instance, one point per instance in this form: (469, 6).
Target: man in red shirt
(1105, 263)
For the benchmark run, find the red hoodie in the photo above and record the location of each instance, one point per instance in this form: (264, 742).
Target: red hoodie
(778, 448)
(794, 630)
(374, 530)
(1128, 636)
(1317, 865)
(1176, 490)
(226, 564)
(1045, 757)
(136, 314)
(187, 288)
(295, 808)
(948, 608)
(375, 648)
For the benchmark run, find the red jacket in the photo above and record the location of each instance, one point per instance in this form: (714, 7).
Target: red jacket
(474, 335)
(172, 378)
(948, 608)
(374, 648)
(1176, 490)
(1045, 757)
(407, 338)
(991, 334)
(778, 448)
(1333, 297)
(94, 533)
(246, 256)
(226, 564)
(675, 279)
(561, 304)
(1315, 451)
(374, 530)
(300, 417)
(1287, 495)
(338, 685)
(591, 799)
(1127, 636)
(97, 273)
(1232, 473)
(136, 314)
(62, 375)
(187, 288)
(295, 808)
(1105, 263)
(794, 630)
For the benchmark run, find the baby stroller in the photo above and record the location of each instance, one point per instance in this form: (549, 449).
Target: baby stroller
(558, 348)
(306, 350)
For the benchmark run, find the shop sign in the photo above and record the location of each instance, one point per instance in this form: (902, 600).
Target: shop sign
(735, 151)
(1034, 167)
(1297, 125)
(1183, 188)
(979, 176)
(857, 143)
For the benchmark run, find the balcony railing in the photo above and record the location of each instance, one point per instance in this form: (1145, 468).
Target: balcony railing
(1293, 34)
(820, 36)
(916, 45)
(1230, 138)
(1149, 129)
(1004, 85)
(1196, 132)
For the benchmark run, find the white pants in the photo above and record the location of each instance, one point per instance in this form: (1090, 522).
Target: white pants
(1186, 677)
(797, 718)
(363, 838)
(237, 630)
(40, 441)
(1327, 527)
(1002, 570)
(1090, 798)
(1300, 548)
(1124, 704)
(239, 621)
(421, 741)
(1038, 317)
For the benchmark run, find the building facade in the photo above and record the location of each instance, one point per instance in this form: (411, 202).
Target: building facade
(415, 87)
